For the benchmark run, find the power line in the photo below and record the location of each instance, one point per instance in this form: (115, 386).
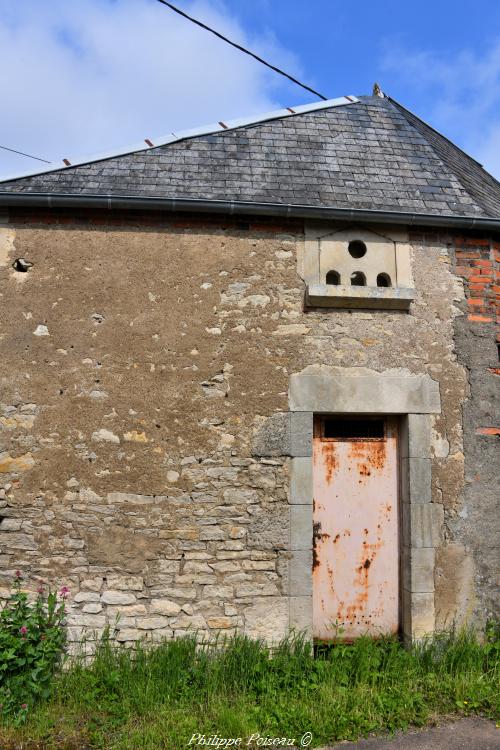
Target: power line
(242, 49)
(5, 148)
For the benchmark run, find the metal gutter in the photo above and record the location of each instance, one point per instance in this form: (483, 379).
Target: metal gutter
(244, 208)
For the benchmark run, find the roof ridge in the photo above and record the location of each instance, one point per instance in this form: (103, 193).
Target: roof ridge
(434, 130)
(457, 149)
(173, 137)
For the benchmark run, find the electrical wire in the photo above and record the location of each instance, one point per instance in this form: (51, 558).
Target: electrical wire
(13, 150)
(242, 49)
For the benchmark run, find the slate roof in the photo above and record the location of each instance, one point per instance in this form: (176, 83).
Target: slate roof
(368, 153)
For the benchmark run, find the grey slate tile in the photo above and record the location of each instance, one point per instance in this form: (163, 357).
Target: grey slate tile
(371, 154)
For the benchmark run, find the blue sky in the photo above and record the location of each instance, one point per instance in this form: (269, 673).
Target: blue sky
(95, 75)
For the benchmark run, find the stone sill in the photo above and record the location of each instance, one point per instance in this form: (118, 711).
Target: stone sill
(361, 297)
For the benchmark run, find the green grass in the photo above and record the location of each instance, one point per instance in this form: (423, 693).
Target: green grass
(157, 697)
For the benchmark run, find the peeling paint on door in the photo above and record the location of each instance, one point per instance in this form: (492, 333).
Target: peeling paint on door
(355, 537)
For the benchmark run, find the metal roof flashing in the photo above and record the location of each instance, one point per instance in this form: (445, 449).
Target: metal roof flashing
(211, 129)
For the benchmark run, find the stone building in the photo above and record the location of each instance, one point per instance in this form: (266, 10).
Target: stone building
(249, 379)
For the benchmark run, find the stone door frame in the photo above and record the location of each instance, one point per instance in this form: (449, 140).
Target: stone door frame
(356, 391)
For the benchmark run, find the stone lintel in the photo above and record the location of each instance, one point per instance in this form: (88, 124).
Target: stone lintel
(364, 393)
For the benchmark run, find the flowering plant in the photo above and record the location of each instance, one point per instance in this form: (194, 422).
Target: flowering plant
(32, 638)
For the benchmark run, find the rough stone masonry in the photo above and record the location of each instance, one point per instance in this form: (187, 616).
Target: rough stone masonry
(144, 361)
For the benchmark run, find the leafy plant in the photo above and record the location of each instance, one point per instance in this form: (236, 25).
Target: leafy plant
(157, 695)
(32, 638)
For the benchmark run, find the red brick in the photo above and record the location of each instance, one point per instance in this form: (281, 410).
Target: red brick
(483, 278)
(488, 431)
(479, 319)
(464, 271)
(467, 254)
(477, 243)
(474, 288)
(475, 302)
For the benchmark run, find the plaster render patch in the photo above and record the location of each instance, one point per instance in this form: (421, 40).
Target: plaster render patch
(292, 329)
(440, 445)
(7, 237)
(454, 576)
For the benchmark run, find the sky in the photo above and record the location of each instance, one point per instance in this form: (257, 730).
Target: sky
(88, 76)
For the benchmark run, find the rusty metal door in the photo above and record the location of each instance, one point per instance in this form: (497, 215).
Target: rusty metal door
(356, 539)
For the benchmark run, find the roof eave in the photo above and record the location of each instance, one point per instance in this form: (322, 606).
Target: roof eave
(242, 208)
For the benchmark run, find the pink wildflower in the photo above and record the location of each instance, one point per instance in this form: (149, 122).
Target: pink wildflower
(23, 630)
(24, 706)
(64, 592)
(18, 574)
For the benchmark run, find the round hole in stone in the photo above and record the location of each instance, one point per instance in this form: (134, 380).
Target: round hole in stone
(333, 277)
(358, 279)
(383, 279)
(356, 249)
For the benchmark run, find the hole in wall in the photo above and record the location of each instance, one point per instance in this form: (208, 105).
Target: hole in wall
(333, 277)
(358, 279)
(356, 249)
(21, 265)
(383, 279)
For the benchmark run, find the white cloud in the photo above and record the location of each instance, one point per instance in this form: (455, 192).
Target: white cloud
(461, 95)
(95, 75)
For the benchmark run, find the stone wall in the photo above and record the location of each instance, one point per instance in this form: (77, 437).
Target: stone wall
(470, 561)
(141, 356)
